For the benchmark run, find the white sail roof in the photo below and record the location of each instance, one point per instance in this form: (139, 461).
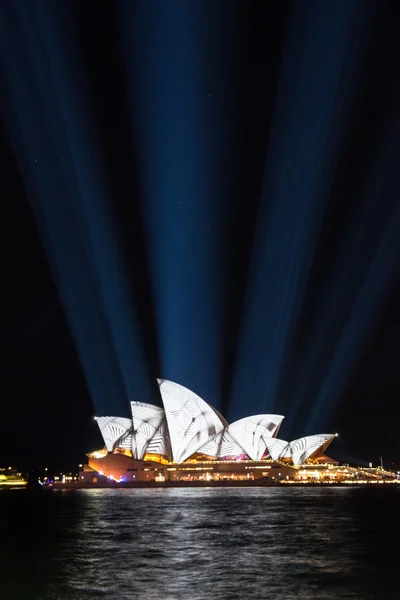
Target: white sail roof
(229, 446)
(298, 450)
(278, 448)
(304, 447)
(247, 436)
(112, 429)
(146, 421)
(251, 433)
(160, 442)
(126, 441)
(191, 421)
(212, 446)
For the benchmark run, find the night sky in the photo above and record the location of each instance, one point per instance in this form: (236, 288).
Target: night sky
(207, 192)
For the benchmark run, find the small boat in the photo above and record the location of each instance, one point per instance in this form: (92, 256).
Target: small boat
(11, 479)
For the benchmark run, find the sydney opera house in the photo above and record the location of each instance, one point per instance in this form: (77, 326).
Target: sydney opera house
(189, 440)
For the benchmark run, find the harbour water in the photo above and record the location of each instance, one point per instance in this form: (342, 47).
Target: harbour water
(201, 544)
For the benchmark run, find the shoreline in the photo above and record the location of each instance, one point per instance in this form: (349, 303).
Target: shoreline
(211, 484)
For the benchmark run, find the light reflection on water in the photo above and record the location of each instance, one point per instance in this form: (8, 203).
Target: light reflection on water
(200, 544)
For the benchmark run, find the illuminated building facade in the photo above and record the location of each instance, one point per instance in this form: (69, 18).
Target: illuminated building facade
(188, 439)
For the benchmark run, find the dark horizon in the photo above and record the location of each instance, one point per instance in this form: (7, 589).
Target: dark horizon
(206, 194)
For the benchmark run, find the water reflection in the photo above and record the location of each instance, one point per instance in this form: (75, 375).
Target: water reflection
(198, 544)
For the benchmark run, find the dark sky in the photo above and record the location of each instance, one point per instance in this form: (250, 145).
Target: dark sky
(207, 192)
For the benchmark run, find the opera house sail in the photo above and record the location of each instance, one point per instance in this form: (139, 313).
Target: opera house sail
(187, 429)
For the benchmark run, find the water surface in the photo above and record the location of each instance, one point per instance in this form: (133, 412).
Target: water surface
(201, 544)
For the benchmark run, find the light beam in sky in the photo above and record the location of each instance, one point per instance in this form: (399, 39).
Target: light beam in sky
(49, 115)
